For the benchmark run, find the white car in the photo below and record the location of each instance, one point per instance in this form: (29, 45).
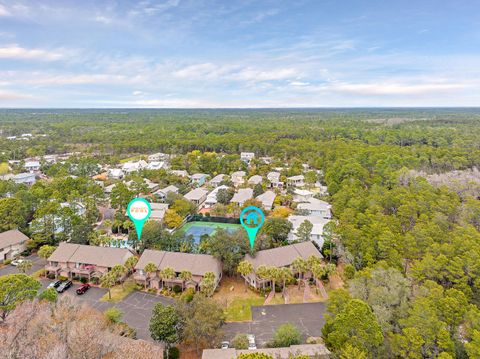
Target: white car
(251, 342)
(16, 262)
(225, 345)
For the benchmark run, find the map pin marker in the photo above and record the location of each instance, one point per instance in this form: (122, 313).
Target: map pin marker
(139, 210)
(252, 219)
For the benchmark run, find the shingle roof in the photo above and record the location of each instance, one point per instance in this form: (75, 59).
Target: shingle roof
(12, 237)
(197, 264)
(267, 198)
(196, 194)
(283, 256)
(242, 195)
(100, 256)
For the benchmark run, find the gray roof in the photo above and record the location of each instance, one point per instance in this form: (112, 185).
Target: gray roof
(218, 178)
(267, 198)
(197, 264)
(242, 195)
(12, 237)
(283, 256)
(310, 350)
(196, 194)
(99, 256)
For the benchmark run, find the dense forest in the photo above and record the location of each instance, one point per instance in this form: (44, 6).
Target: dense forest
(410, 247)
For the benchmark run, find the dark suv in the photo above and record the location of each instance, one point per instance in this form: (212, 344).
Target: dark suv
(64, 286)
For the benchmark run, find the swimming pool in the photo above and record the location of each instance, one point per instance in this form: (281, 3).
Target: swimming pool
(197, 229)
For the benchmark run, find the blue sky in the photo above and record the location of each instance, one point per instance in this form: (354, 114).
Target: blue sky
(207, 53)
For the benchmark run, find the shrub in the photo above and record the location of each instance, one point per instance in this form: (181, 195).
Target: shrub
(51, 276)
(187, 295)
(7, 261)
(75, 278)
(285, 335)
(173, 353)
(349, 271)
(177, 289)
(152, 290)
(113, 314)
(127, 331)
(62, 278)
(95, 280)
(25, 253)
(84, 280)
(240, 341)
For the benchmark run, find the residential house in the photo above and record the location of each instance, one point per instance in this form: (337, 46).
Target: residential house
(256, 179)
(157, 157)
(312, 351)
(267, 198)
(197, 196)
(302, 195)
(32, 166)
(27, 135)
(12, 243)
(238, 178)
(242, 195)
(279, 257)
(158, 211)
(215, 181)
(24, 178)
(199, 179)
(323, 190)
(180, 173)
(78, 260)
(196, 264)
(247, 157)
(50, 158)
(296, 181)
(156, 165)
(115, 173)
(152, 186)
(134, 166)
(212, 197)
(162, 194)
(316, 207)
(274, 180)
(317, 230)
(11, 137)
(77, 207)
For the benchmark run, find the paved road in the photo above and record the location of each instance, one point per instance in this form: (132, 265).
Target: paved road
(38, 263)
(307, 317)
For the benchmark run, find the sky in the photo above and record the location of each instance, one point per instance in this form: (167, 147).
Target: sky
(239, 54)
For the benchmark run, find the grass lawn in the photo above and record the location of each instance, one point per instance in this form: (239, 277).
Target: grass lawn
(240, 309)
(38, 274)
(119, 292)
(236, 301)
(3, 168)
(133, 158)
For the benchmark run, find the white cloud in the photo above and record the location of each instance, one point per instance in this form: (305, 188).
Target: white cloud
(4, 11)
(404, 89)
(17, 52)
(137, 93)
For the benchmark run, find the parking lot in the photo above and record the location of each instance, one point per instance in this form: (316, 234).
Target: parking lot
(307, 317)
(137, 309)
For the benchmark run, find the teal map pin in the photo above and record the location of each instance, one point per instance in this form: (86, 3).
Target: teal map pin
(139, 210)
(252, 219)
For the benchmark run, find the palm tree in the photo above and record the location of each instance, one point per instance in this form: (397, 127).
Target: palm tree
(120, 271)
(185, 275)
(275, 275)
(108, 280)
(167, 273)
(25, 265)
(285, 274)
(300, 266)
(130, 263)
(262, 273)
(245, 268)
(317, 272)
(207, 285)
(149, 268)
(313, 260)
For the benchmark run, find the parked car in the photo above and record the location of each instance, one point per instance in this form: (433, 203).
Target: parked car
(64, 286)
(251, 342)
(16, 262)
(225, 345)
(55, 284)
(83, 288)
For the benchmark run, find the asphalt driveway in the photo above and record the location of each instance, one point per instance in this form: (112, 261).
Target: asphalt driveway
(308, 317)
(38, 263)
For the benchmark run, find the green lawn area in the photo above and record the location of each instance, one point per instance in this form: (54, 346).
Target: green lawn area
(240, 309)
(119, 292)
(3, 168)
